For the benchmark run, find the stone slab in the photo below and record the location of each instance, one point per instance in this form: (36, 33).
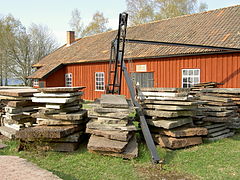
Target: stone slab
(182, 131)
(114, 135)
(217, 119)
(222, 90)
(68, 117)
(2, 146)
(214, 98)
(46, 111)
(97, 143)
(110, 127)
(152, 89)
(176, 143)
(60, 106)
(218, 108)
(21, 103)
(164, 94)
(13, 110)
(18, 92)
(115, 101)
(168, 107)
(220, 103)
(219, 133)
(47, 132)
(169, 124)
(169, 98)
(8, 132)
(56, 95)
(183, 103)
(168, 114)
(54, 122)
(55, 100)
(121, 122)
(60, 89)
(213, 130)
(220, 114)
(219, 137)
(130, 152)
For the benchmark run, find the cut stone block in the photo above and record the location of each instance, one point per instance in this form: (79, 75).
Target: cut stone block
(169, 124)
(168, 114)
(97, 143)
(220, 103)
(213, 130)
(47, 132)
(8, 132)
(170, 98)
(68, 117)
(182, 131)
(114, 135)
(115, 101)
(60, 89)
(130, 152)
(176, 143)
(46, 111)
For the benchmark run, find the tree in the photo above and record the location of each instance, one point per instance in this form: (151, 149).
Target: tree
(76, 22)
(97, 25)
(22, 48)
(142, 11)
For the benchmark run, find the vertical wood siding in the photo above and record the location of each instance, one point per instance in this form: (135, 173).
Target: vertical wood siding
(222, 68)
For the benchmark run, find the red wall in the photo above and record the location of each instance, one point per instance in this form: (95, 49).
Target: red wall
(222, 68)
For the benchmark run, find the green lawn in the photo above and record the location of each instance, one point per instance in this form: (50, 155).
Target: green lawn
(218, 160)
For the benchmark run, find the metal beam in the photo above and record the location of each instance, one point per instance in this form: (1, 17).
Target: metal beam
(181, 45)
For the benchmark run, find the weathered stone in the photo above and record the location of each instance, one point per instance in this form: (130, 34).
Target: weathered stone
(110, 127)
(170, 98)
(217, 119)
(117, 115)
(168, 114)
(57, 146)
(219, 137)
(55, 100)
(121, 122)
(220, 114)
(46, 111)
(182, 131)
(114, 135)
(115, 101)
(220, 103)
(68, 117)
(169, 124)
(8, 132)
(183, 103)
(213, 130)
(60, 106)
(21, 103)
(130, 152)
(2, 146)
(218, 108)
(164, 94)
(97, 143)
(219, 133)
(61, 89)
(113, 110)
(56, 95)
(13, 110)
(47, 132)
(214, 98)
(16, 117)
(176, 143)
(168, 107)
(54, 122)
(222, 90)
(18, 92)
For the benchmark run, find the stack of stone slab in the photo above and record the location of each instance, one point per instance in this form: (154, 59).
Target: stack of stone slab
(196, 88)
(169, 114)
(220, 110)
(18, 110)
(112, 131)
(61, 123)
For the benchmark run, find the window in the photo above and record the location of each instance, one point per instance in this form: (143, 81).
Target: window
(99, 81)
(143, 79)
(68, 80)
(35, 82)
(190, 77)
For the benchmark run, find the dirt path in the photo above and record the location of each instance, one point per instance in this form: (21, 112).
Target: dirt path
(15, 168)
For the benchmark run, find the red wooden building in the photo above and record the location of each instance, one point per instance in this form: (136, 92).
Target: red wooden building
(84, 62)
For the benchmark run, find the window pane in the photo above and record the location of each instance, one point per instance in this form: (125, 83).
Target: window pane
(190, 72)
(196, 72)
(184, 72)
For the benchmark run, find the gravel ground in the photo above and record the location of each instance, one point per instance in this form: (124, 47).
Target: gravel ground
(15, 168)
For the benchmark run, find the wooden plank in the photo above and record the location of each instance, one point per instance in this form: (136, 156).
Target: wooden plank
(176, 143)
(61, 89)
(169, 124)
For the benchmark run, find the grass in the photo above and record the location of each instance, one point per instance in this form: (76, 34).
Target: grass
(217, 160)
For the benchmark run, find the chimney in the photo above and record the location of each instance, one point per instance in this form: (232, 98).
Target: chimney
(70, 37)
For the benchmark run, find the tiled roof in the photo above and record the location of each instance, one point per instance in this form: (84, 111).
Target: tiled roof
(219, 27)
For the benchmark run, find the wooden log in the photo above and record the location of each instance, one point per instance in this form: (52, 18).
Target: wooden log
(97, 143)
(169, 124)
(168, 114)
(176, 143)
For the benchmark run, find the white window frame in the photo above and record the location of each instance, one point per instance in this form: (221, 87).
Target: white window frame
(35, 82)
(68, 80)
(191, 76)
(99, 81)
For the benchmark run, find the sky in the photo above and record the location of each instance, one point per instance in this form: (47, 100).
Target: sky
(56, 13)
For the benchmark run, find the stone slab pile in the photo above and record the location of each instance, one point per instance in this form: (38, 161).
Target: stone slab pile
(60, 123)
(220, 109)
(18, 110)
(169, 114)
(112, 131)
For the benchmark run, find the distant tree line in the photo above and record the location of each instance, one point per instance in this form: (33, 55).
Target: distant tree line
(140, 11)
(20, 48)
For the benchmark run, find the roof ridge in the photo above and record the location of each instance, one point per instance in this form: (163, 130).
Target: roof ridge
(186, 15)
